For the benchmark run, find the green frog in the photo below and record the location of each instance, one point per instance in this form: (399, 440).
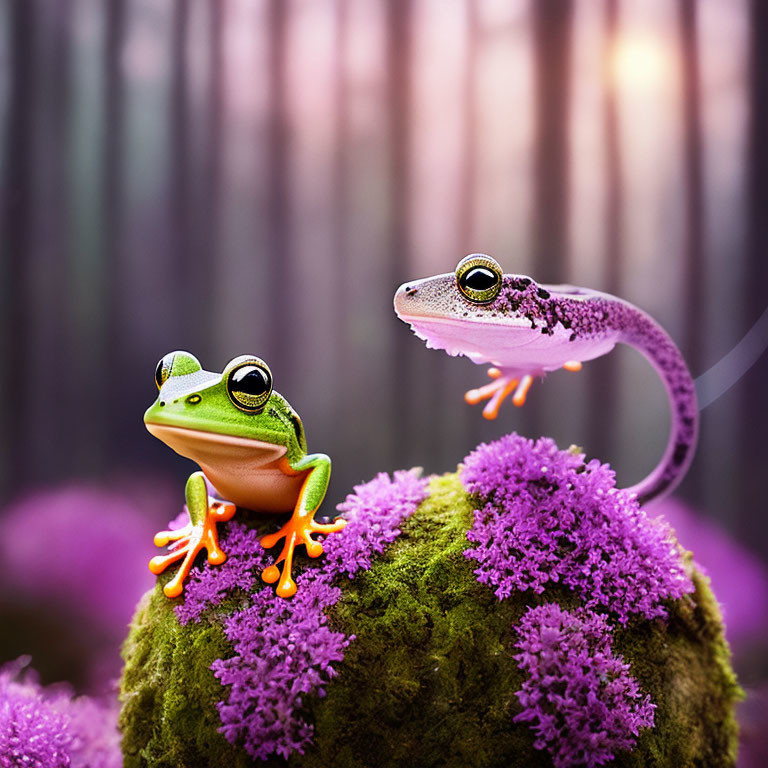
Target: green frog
(251, 447)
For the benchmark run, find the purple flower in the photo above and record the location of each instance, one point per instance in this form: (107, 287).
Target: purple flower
(79, 554)
(547, 517)
(79, 546)
(208, 586)
(95, 738)
(32, 731)
(579, 698)
(284, 650)
(47, 728)
(374, 513)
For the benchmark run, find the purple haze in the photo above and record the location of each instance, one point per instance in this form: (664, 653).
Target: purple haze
(48, 728)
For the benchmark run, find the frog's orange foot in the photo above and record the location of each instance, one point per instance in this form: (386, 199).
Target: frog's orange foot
(298, 530)
(187, 542)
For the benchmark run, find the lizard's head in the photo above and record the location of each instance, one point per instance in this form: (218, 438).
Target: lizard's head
(463, 311)
(504, 319)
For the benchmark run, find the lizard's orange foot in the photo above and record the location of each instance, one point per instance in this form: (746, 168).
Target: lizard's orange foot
(498, 390)
(503, 385)
(188, 542)
(298, 530)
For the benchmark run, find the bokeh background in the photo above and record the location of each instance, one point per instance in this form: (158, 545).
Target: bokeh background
(232, 176)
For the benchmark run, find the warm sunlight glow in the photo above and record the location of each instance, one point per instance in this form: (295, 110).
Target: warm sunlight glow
(640, 64)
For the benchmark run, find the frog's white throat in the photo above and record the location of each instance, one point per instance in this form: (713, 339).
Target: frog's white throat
(247, 472)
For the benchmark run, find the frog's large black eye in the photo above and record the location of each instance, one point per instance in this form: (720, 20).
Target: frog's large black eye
(249, 384)
(163, 370)
(479, 278)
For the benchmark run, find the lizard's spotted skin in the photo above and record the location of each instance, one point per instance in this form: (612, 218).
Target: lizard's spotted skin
(523, 330)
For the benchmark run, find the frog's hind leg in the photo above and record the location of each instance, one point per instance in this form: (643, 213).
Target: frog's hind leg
(302, 525)
(200, 533)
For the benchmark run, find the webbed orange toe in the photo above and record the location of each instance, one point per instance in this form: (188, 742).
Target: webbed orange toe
(287, 587)
(186, 543)
(163, 538)
(270, 574)
(498, 390)
(296, 531)
(173, 588)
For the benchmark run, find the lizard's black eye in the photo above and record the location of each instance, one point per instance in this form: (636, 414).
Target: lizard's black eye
(479, 278)
(249, 384)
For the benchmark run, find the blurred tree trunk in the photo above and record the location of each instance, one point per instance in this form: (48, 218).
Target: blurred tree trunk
(399, 62)
(106, 437)
(51, 246)
(614, 177)
(552, 27)
(465, 425)
(210, 197)
(340, 205)
(182, 250)
(16, 219)
(278, 267)
(552, 22)
(755, 297)
(468, 173)
(604, 373)
(693, 246)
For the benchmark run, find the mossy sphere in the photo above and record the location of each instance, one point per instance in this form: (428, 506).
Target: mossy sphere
(519, 612)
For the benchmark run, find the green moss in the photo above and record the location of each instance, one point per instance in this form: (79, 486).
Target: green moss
(430, 679)
(685, 665)
(169, 716)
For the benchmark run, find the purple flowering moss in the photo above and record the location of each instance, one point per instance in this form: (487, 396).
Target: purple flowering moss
(431, 674)
(48, 728)
(284, 649)
(579, 697)
(207, 586)
(374, 513)
(548, 517)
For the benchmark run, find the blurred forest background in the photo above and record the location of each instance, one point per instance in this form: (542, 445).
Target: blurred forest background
(232, 176)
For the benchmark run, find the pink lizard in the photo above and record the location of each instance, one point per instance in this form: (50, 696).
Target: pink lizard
(523, 330)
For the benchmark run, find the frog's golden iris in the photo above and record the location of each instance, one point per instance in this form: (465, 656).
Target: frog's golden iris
(249, 385)
(163, 370)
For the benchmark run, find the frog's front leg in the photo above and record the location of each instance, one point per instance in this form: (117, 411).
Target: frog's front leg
(200, 533)
(299, 529)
